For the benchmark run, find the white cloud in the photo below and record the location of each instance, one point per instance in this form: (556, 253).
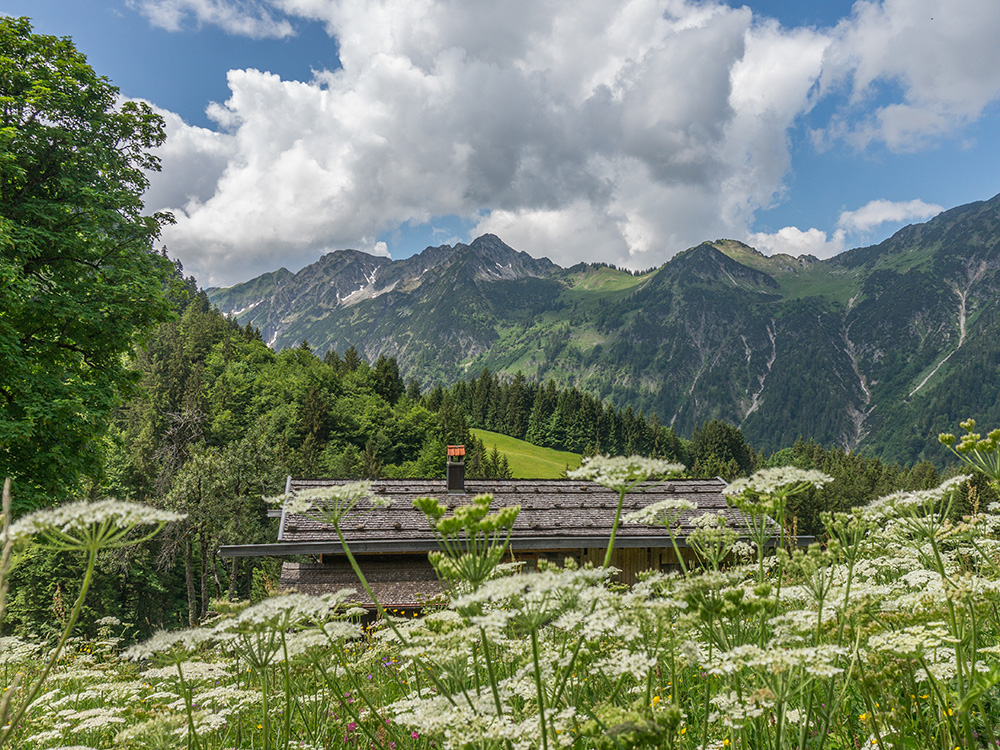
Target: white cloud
(915, 69)
(245, 18)
(622, 132)
(192, 161)
(793, 241)
(601, 130)
(851, 225)
(875, 213)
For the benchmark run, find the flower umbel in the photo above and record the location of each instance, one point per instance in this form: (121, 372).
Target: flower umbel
(330, 503)
(91, 526)
(621, 472)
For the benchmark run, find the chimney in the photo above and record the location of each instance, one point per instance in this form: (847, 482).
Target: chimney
(456, 469)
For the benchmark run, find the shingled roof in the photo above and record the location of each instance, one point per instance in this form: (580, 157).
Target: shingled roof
(555, 513)
(557, 516)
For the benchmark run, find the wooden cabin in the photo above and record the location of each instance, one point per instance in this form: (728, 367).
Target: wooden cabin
(559, 519)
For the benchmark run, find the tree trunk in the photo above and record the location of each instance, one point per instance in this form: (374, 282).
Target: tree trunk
(206, 595)
(215, 576)
(232, 580)
(189, 580)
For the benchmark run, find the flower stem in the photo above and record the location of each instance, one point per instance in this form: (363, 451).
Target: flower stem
(614, 528)
(37, 686)
(538, 680)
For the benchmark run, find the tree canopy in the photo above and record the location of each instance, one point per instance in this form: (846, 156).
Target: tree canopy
(79, 280)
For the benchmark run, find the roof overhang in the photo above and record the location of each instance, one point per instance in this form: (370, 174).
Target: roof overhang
(390, 546)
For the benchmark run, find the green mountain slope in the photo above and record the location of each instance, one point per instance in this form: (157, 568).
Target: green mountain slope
(875, 350)
(528, 461)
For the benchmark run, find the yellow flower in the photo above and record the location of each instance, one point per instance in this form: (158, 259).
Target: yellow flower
(656, 699)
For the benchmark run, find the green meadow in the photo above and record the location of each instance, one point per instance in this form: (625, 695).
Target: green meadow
(529, 461)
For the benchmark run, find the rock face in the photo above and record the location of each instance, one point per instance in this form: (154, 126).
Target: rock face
(878, 349)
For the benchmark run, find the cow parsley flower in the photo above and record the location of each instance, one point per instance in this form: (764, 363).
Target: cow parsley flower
(913, 503)
(163, 642)
(330, 503)
(913, 641)
(782, 479)
(661, 513)
(283, 611)
(624, 662)
(97, 718)
(14, 651)
(622, 472)
(734, 710)
(90, 526)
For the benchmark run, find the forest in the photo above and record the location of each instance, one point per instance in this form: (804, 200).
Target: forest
(123, 628)
(220, 420)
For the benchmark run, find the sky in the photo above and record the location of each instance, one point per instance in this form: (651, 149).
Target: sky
(620, 131)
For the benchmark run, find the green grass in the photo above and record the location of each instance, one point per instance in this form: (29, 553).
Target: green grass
(528, 461)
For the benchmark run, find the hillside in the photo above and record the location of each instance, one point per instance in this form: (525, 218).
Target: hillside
(874, 350)
(529, 461)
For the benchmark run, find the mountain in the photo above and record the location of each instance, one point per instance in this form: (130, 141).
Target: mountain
(877, 349)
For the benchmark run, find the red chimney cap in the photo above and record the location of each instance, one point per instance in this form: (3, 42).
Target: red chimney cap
(456, 450)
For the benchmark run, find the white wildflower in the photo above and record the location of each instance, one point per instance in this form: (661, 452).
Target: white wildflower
(912, 641)
(97, 718)
(539, 595)
(817, 661)
(225, 696)
(164, 641)
(621, 473)
(89, 526)
(787, 479)
(733, 710)
(708, 521)
(283, 611)
(692, 653)
(941, 666)
(622, 662)
(913, 503)
(193, 671)
(662, 513)
(330, 503)
(43, 738)
(14, 651)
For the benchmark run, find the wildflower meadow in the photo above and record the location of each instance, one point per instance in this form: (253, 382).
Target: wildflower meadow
(883, 634)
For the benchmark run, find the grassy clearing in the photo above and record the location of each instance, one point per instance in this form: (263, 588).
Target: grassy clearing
(529, 461)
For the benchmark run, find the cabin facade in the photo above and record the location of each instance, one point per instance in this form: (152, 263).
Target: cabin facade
(559, 519)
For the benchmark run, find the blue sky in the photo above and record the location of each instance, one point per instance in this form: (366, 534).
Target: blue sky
(574, 129)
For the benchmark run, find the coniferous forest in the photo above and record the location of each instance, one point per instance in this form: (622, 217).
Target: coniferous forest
(220, 420)
(852, 602)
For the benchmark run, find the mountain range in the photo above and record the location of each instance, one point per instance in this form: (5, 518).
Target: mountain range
(876, 349)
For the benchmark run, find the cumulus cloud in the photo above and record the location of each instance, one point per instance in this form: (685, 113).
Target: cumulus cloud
(245, 18)
(192, 161)
(793, 241)
(928, 66)
(875, 213)
(584, 130)
(851, 226)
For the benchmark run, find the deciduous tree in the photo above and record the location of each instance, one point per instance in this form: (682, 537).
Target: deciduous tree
(79, 280)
